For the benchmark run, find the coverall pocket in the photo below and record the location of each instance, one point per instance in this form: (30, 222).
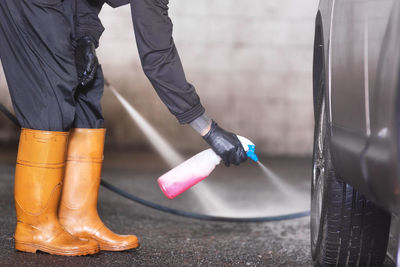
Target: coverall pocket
(46, 24)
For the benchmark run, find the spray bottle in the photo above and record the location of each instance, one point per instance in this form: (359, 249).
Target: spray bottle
(196, 169)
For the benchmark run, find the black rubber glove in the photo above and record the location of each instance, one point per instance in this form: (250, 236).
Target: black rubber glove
(226, 145)
(86, 60)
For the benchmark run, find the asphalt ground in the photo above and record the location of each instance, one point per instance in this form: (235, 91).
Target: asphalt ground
(169, 240)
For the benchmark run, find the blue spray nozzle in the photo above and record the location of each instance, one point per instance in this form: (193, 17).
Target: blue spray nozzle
(249, 147)
(251, 153)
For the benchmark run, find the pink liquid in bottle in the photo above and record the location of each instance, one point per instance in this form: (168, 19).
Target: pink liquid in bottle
(188, 173)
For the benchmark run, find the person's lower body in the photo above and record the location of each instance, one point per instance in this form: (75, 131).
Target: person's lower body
(38, 60)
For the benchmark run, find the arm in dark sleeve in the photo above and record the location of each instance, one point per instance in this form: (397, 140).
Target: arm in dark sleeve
(160, 59)
(87, 21)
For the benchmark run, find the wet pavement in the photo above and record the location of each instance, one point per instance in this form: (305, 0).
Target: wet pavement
(169, 240)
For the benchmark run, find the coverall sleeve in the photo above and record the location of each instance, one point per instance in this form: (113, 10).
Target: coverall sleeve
(87, 22)
(160, 59)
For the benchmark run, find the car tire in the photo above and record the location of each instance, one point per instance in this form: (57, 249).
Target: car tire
(347, 229)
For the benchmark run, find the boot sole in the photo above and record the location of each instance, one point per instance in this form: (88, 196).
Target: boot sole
(119, 248)
(33, 248)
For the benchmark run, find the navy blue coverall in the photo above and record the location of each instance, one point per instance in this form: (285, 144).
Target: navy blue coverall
(37, 47)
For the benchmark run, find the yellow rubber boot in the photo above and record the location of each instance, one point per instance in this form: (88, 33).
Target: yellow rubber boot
(78, 206)
(38, 182)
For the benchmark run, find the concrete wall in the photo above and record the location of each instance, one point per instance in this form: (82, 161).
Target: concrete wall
(251, 62)
(8, 132)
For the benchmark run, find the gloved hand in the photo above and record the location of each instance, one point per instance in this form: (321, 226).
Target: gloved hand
(86, 60)
(226, 145)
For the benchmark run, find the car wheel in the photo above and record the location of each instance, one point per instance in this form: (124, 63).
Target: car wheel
(346, 228)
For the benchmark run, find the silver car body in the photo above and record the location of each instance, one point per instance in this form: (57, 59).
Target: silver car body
(361, 57)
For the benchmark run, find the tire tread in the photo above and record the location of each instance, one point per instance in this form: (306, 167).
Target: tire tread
(355, 232)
